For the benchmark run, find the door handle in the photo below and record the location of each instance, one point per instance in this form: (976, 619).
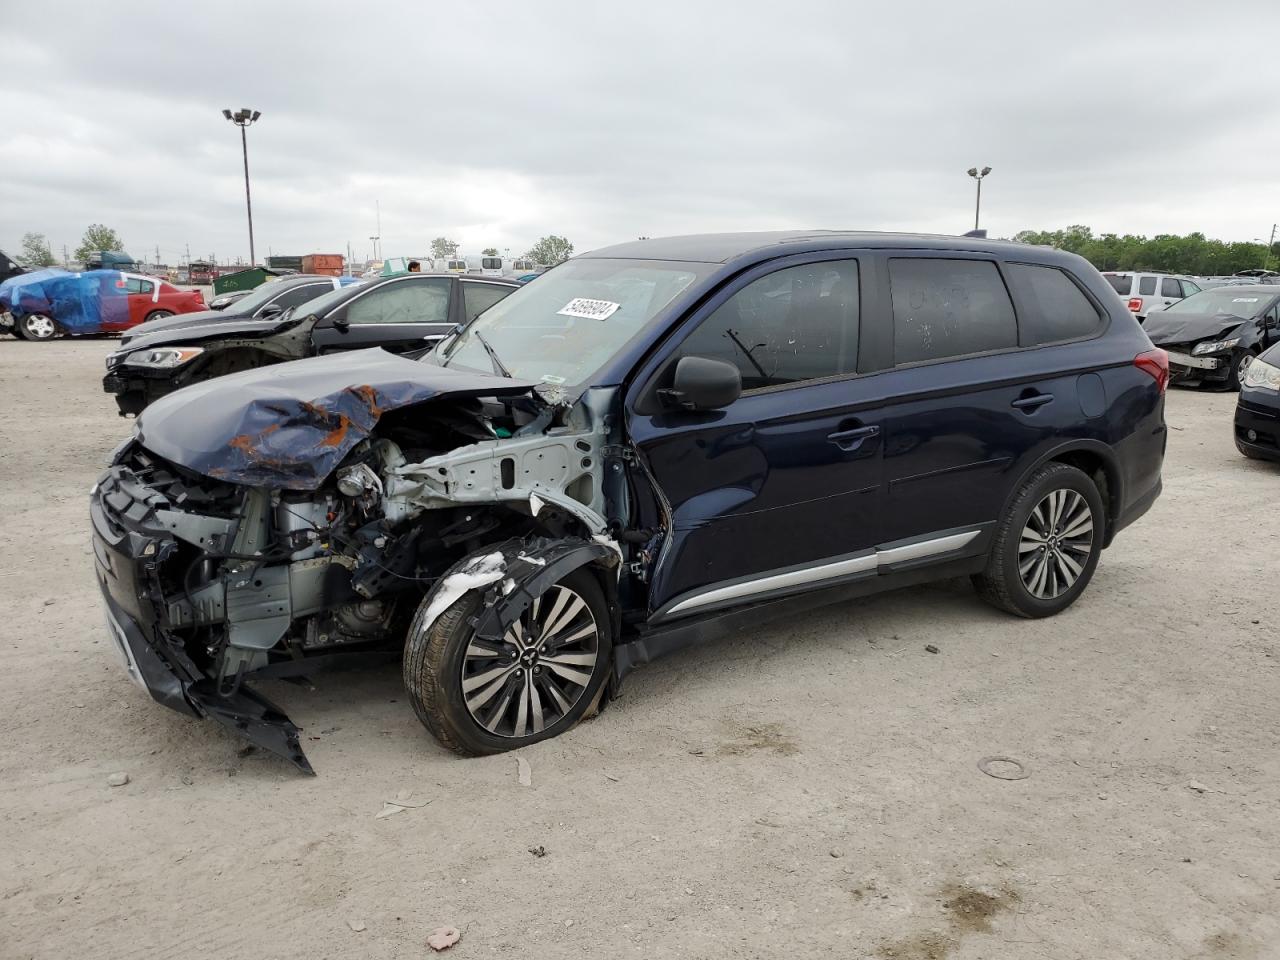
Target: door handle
(850, 440)
(1033, 402)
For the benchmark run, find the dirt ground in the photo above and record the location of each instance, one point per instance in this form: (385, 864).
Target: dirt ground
(811, 789)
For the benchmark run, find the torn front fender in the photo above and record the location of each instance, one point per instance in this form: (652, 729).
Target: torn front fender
(289, 425)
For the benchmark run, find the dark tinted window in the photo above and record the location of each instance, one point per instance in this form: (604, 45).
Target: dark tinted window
(1122, 283)
(1056, 307)
(301, 294)
(1188, 288)
(1146, 286)
(949, 308)
(797, 324)
(479, 297)
(1170, 287)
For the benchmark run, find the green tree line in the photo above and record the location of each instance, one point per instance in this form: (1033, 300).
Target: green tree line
(1193, 254)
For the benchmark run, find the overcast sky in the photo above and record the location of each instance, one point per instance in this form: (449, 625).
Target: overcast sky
(494, 123)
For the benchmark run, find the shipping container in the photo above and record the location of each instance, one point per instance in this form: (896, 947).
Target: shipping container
(285, 263)
(326, 264)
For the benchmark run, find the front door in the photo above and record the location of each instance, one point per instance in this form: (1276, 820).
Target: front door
(403, 314)
(778, 492)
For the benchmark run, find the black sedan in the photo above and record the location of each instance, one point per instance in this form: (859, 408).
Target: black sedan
(1212, 336)
(1258, 411)
(401, 314)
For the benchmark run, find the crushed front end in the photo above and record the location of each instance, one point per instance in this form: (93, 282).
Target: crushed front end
(286, 552)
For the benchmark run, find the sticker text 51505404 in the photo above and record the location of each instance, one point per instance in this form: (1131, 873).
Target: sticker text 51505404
(589, 309)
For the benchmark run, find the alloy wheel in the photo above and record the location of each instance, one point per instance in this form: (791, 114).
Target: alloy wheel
(39, 327)
(538, 672)
(1056, 543)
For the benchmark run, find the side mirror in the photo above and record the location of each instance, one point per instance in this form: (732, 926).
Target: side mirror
(339, 323)
(271, 310)
(701, 383)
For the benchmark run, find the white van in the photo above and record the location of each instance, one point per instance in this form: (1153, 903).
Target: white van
(491, 267)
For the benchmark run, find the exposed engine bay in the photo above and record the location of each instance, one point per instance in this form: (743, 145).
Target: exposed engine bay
(230, 581)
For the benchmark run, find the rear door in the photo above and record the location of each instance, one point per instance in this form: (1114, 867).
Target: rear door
(403, 314)
(478, 296)
(780, 490)
(978, 391)
(142, 299)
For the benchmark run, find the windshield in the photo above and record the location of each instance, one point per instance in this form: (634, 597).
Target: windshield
(1237, 301)
(563, 328)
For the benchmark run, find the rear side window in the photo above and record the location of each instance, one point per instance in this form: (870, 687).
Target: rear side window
(949, 308)
(479, 297)
(1146, 286)
(300, 295)
(1188, 288)
(1056, 309)
(797, 324)
(1170, 287)
(1121, 283)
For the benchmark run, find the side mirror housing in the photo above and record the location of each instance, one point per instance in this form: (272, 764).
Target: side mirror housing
(701, 383)
(271, 310)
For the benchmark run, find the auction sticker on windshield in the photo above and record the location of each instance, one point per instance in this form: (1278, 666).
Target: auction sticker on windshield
(589, 309)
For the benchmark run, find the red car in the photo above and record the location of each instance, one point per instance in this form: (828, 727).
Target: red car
(45, 303)
(150, 299)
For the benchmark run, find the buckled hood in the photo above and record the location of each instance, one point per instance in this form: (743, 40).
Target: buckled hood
(290, 425)
(1163, 327)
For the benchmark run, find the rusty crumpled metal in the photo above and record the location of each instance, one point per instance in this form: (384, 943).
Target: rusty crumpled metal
(290, 425)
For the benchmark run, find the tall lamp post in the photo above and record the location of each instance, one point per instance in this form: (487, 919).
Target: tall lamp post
(242, 118)
(978, 175)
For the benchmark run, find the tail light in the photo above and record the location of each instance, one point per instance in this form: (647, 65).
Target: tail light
(1135, 304)
(1154, 363)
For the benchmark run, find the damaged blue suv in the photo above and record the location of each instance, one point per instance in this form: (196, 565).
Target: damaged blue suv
(654, 444)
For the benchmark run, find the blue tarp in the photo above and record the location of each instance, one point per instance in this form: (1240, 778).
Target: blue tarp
(80, 302)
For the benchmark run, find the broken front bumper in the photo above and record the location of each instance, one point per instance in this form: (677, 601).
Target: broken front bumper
(128, 547)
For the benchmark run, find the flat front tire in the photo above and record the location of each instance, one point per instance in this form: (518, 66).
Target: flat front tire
(480, 696)
(1047, 545)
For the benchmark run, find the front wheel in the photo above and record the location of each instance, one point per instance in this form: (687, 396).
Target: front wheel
(480, 696)
(1239, 367)
(36, 326)
(1046, 547)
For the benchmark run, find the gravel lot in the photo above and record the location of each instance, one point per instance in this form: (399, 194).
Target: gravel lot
(808, 790)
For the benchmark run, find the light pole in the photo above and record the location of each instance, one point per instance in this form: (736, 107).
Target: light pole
(978, 175)
(375, 247)
(242, 118)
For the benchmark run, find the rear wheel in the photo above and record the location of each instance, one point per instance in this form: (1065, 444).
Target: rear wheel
(36, 326)
(158, 315)
(480, 696)
(1046, 547)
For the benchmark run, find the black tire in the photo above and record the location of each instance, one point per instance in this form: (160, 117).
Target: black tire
(37, 327)
(158, 315)
(436, 656)
(1012, 572)
(1239, 360)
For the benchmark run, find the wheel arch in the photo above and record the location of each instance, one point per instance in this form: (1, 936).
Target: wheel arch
(1092, 458)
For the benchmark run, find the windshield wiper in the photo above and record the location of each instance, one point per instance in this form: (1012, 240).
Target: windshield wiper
(498, 366)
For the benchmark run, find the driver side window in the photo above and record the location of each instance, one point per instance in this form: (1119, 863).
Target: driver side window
(797, 324)
(404, 301)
